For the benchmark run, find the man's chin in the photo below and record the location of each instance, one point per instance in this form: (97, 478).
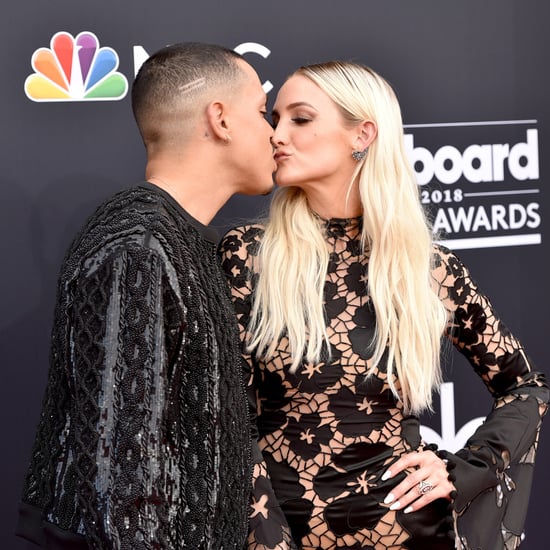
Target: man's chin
(270, 190)
(258, 191)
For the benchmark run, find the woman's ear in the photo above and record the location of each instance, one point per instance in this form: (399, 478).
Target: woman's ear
(216, 114)
(366, 132)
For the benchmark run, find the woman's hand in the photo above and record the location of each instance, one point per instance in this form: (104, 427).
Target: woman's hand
(426, 481)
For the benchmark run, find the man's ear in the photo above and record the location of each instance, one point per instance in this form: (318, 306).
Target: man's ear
(216, 115)
(366, 132)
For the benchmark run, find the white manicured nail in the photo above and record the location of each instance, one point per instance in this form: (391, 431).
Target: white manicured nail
(396, 505)
(386, 475)
(389, 498)
(408, 509)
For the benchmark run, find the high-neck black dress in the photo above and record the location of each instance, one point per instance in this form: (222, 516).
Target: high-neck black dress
(328, 432)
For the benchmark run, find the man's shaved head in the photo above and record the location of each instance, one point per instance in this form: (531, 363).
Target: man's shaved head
(175, 84)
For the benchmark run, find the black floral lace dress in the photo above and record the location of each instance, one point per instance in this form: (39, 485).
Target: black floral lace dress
(328, 433)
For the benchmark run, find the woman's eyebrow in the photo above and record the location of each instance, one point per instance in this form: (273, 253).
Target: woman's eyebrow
(293, 105)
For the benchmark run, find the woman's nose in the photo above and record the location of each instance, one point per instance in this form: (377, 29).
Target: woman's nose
(277, 138)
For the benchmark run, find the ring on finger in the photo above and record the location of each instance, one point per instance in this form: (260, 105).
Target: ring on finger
(424, 487)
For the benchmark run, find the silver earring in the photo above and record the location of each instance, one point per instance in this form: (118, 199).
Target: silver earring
(359, 155)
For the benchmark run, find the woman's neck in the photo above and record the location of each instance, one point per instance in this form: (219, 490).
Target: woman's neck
(329, 207)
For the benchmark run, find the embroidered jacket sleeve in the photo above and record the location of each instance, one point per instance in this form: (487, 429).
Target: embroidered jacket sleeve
(127, 326)
(494, 471)
(268, 528)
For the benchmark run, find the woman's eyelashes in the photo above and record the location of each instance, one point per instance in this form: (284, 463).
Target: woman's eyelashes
(299, 120)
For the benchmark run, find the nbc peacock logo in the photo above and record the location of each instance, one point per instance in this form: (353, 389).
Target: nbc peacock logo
(75, 69)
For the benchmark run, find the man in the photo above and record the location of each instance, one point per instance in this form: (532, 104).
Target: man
(143, 440)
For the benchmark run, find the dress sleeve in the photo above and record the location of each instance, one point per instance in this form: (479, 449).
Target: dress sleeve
(126, 326)
(493, 473)
(268, 528)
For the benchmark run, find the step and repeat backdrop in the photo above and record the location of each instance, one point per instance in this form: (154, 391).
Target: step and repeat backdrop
(473, 84)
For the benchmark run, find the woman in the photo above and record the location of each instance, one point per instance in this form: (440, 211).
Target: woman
(343, 298)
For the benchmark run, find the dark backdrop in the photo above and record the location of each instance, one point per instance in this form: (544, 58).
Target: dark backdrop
(467, 74)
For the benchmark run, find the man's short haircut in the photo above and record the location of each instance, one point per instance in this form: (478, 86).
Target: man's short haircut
(178, 74)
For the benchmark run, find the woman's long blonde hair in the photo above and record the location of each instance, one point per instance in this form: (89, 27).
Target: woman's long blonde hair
(293, 255)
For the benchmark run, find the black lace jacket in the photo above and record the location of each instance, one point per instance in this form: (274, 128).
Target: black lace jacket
(143, 440)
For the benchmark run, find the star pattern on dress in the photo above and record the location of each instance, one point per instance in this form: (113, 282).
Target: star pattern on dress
(307, 436)
(259, 506)
(362, 483)
(310, 369)
(365, 405)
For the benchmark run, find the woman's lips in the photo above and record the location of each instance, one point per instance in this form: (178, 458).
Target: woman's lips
(279, 157)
